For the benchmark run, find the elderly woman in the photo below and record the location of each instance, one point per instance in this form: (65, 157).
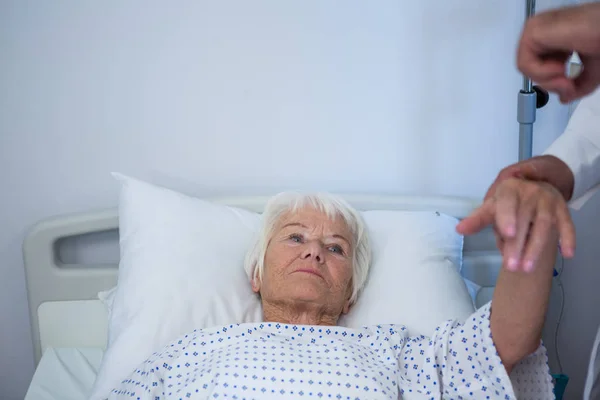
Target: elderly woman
(308, 265)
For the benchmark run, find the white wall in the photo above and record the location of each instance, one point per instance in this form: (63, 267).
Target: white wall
(236, 96)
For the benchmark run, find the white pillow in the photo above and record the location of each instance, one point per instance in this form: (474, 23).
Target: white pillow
(414, 278)
(181, 269)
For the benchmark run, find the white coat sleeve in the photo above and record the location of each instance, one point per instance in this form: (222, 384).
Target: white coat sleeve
(579, 148)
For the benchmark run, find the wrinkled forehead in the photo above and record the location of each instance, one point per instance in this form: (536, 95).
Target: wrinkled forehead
(314, 218)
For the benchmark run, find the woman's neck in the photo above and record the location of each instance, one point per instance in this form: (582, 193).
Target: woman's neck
(297, 314)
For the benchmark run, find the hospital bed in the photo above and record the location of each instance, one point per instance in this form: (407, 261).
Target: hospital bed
(69, 322)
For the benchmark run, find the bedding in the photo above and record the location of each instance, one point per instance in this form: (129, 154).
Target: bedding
(274, 361)
(181, 269)
(65, 374)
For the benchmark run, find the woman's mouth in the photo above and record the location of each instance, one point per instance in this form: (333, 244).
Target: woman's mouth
(310, 271)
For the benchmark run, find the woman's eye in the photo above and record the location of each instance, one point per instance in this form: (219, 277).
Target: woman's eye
(336, 249)
(296, 238)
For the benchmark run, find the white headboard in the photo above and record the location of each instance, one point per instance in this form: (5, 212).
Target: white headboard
(63, 304)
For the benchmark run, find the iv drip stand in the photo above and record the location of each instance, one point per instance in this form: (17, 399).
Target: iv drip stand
(530, 98)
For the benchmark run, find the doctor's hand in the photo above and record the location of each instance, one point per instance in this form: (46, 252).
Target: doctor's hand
(524, 214)
(547, 42)
(545, 168)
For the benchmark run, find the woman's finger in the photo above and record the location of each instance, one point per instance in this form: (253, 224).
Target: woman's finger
(540, 233)
(477, 220)
(507, 203)
(499, 241)
(514, 248)
(566, 230)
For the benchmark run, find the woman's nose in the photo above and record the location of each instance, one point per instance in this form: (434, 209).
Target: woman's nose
(314, 250)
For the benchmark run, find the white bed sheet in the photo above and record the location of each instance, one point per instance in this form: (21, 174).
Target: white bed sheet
(65, 374)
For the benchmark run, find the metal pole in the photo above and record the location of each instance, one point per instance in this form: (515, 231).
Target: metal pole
(526, 105)
(529, 12)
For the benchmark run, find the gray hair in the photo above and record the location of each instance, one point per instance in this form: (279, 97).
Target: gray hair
(333, 207)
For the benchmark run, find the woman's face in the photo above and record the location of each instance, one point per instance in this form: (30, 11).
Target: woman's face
(309, 260)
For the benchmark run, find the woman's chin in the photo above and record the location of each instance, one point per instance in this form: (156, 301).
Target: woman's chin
(308, 289)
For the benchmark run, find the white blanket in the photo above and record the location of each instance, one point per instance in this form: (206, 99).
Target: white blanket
(280, 361)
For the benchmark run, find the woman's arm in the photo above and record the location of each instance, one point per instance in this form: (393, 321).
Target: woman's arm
(519, 307)
(521, 298)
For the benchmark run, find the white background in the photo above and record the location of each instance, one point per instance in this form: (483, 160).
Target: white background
(255, 97)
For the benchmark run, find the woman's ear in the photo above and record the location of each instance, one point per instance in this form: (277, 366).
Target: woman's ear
(348, 304)
(255, 285)
(346, 308)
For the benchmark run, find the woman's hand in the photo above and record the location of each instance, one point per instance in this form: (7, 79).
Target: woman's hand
(525, 214)
(531, 213)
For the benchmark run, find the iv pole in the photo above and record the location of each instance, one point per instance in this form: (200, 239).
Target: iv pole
(530, 98)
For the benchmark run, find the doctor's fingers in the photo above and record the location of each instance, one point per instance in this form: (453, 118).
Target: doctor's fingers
(561, 85)
(535, 168)
(570, 89)
(588, 80)
(538, 57)
(541, 68)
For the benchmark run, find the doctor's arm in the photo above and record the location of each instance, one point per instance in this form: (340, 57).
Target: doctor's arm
(579, 149)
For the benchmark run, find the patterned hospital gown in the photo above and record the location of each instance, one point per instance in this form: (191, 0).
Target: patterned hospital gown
(280, 361)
